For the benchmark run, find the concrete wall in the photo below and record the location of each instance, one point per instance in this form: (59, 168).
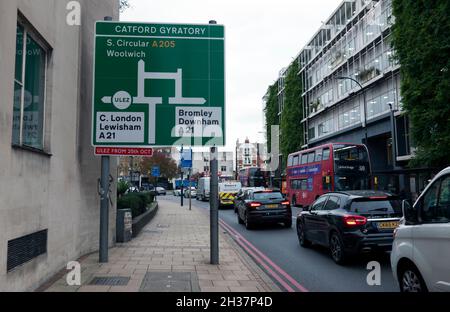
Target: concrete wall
(57, 192)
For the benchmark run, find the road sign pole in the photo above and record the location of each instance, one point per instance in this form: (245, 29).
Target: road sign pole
(104, 203)
(190, 190)
(214, 207)
(182, 180)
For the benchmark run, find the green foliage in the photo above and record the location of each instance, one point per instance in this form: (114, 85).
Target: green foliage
(292, 134)
(167, 165)
(137, 202)
(271, 113)
(122, 187)
(422, 43)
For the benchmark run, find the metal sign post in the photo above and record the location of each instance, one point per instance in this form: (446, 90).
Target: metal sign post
(214, 206)
(190, 189)
(104, 203)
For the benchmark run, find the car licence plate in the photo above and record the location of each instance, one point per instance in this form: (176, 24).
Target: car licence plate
(388, 225)
(272, 206)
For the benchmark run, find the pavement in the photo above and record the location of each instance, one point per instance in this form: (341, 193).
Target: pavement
(171, 254)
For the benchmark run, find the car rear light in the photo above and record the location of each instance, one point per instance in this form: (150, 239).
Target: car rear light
(378, 197)
(254, 205)
(352, 221)
(285, 203)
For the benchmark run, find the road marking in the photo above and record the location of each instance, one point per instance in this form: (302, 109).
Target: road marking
(239, 238)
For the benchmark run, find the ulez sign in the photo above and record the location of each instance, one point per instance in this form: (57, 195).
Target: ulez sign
(158, 85)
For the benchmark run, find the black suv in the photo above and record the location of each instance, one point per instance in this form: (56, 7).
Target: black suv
(263, 206)
(350, 222)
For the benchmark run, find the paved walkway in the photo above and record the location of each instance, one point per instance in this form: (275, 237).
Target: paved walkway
(172, 254)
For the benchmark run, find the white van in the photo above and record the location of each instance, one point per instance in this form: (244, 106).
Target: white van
(420, 256)
(203, 188)
(227, 192)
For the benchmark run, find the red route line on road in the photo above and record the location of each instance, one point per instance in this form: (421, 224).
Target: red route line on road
(242, 241)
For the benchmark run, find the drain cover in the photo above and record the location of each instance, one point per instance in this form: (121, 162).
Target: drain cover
(170, 282)
(110, 281)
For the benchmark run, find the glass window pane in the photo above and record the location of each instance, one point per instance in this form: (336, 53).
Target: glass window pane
(16, 114)
(33, 117)
(326, 154)
(19, 53)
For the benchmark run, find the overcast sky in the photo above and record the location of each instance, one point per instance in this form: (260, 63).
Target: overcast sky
(262, 37)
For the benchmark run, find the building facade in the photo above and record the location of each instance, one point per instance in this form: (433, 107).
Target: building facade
(201, 164)
(250, 155)
(352, 92)
(48, 173)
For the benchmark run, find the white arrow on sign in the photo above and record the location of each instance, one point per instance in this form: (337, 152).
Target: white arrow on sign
(153, 101)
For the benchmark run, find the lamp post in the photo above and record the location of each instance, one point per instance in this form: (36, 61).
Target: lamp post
(365, 104)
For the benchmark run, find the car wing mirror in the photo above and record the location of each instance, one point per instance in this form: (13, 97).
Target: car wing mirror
(408, 211)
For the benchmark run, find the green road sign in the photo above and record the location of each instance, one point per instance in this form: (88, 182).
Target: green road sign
(158, 85)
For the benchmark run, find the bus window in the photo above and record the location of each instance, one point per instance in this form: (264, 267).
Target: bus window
(319, 155)
(304, 159)
(304, 185)
(295, 160)
(311, 157)
(290, 160)
(326, 154)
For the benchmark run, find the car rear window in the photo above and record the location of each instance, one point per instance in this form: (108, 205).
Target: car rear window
(267, 195)
(376, 206)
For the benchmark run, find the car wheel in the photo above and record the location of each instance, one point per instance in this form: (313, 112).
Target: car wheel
(410, 280)
(288, 224)
(301, 235)
(248, 224)
(337, 249)
(240, 221)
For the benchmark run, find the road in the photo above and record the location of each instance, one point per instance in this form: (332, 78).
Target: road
(293, 268)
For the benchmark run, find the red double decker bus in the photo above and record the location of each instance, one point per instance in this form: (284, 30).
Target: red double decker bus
(327, 168)
(252, 177)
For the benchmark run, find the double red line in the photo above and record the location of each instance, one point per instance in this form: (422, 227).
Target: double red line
(283, 278)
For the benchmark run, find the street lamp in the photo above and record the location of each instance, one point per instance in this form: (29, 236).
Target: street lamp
(365, 104)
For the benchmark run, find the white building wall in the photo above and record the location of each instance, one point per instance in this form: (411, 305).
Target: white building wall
(56, 191)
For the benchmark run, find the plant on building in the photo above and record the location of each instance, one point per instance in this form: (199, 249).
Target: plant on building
(292, 134)
(168, 166)
(367, 74)
(314, 106)
(422, 44)
(271, 113)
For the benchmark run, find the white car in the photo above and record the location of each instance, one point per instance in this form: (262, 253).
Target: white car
(177, 192)
(192, 192)
(420, 256)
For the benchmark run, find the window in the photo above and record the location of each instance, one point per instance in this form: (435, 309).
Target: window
(206, 169)
(29, 91)
(290, 161)
(311, 133)
(304, 159)
(436, 202)
(224, 168)
(318, 155)
(332, 203)
(295, 160)
(429, 203)
(326, 154)
(319, 203)
(311, 157)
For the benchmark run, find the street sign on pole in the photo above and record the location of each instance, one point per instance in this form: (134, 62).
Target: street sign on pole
(158, 85)
(156, 172)
(186, 158)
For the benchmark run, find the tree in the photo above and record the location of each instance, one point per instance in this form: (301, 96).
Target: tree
(271, 113)
(422, 45)
(168, 166)
(292, 134)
